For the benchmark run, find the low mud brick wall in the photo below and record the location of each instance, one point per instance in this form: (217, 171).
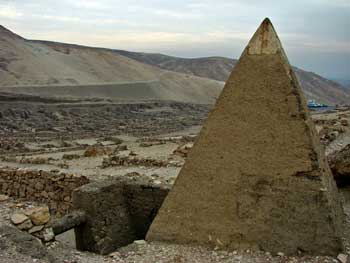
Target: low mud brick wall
(53, 189)
(118, 211)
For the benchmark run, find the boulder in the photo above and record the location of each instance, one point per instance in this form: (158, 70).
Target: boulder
(339, 162)
(39, 215)
(35, 229)
(25, 225)
(93, 151)
(18, 218)
(3, 198)
(48, 234)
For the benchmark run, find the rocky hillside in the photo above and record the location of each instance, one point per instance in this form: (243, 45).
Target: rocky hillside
(219, 68)
(56, 69)
(322, 89)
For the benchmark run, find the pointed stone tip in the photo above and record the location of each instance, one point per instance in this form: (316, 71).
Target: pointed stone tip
(265, 40)
(266, 21)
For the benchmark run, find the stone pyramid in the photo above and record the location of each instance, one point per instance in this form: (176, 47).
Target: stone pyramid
(256, 177)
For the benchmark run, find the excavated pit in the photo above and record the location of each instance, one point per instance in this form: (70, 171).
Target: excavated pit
(118, 212)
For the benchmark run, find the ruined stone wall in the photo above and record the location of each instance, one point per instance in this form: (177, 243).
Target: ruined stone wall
(118, 211)
(51, 188)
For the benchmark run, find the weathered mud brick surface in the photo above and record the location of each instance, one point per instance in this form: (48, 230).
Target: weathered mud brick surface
(256, 177)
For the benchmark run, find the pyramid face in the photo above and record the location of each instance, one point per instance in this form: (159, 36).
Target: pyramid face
(256, 177)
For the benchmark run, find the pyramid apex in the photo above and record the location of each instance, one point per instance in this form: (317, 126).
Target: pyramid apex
(266, 21)
(265, 40)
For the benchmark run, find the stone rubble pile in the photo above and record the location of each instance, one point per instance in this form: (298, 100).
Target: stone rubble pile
(183, 150)
(70, 157)
(151, 143)
(36, 160)
(35, 221)
(331, 129)
(120, 148)
(134, 160)
(11, 145)
(93, 151)
(174, 139)
(339, 162)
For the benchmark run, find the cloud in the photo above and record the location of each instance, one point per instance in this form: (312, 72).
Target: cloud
(95, 5)
(188, 27)
(80, 20)
(314, 44)
(8, 11)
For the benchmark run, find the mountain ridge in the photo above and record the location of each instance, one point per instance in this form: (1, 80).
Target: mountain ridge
(68, 70)
(314, 86)
(71, 64)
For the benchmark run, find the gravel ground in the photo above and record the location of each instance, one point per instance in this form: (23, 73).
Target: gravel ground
(166, 253)
(14, 248)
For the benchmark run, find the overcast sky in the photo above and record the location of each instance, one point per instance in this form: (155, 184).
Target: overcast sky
(315, 33)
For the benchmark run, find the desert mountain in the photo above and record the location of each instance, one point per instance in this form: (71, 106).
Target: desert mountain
(57, 69)
(219, 68)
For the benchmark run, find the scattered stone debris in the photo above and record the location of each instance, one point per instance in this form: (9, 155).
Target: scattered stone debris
(20, 246)
(83, 120)
(132, 153)
(175, 139)
(93, 151)
(36, 160)
(8, 145)
(72, 156)
(344, 122)
(134, 160)
(120, 148)
(18, 218)
(183, 150)
(35, 221)
(339, 162)
(343, 258)
(150, 143)
(4, 198)
(38, 215)
(330, 129)
(11, 159)
(140, 242)
(174, 253)
(113, 139)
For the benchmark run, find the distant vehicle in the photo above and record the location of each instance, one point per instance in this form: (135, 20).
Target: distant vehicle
(313, 104)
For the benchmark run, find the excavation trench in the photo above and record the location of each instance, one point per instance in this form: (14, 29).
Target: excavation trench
(113, 213)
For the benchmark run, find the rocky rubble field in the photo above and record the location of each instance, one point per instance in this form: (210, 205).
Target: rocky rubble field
(100, 140)
(66, 119)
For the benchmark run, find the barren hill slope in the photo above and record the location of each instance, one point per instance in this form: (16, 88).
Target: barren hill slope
(56, 69)
(219, 68)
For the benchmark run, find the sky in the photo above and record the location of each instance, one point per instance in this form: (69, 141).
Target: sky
(315, 33)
